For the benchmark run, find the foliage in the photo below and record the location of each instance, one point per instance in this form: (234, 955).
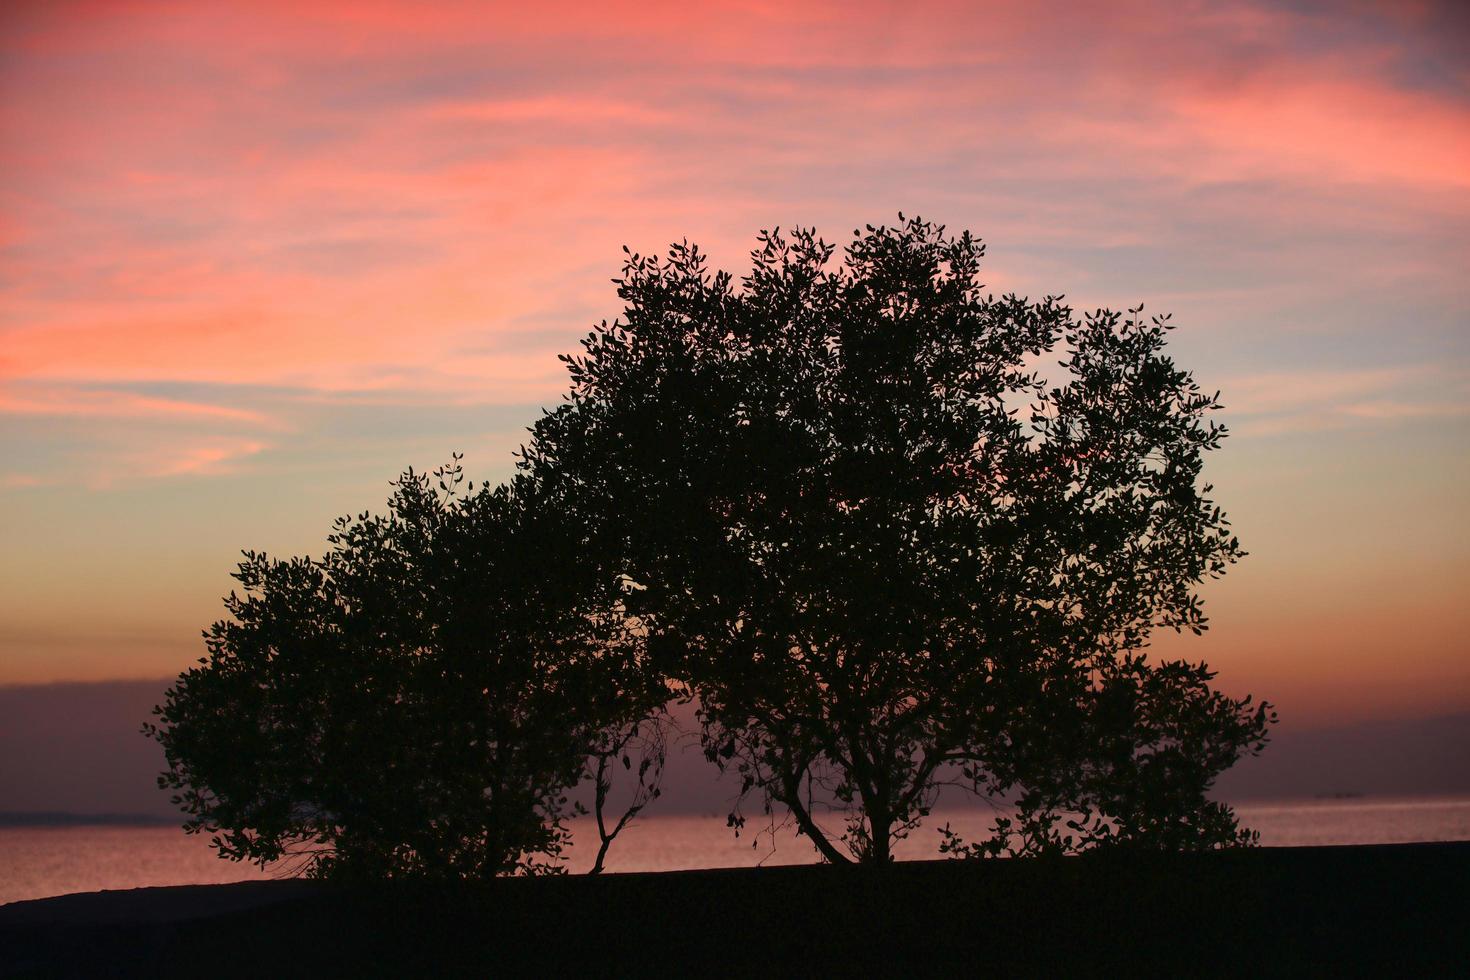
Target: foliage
(884, 551)
(416, 703)
(1132, 766)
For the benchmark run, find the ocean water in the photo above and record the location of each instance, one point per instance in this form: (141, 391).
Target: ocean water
(36, 862)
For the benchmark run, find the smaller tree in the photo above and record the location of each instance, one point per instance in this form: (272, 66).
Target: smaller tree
(640, 747)
(419, 702)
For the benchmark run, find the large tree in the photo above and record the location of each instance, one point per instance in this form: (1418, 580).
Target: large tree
(419, 702)
(892, 531)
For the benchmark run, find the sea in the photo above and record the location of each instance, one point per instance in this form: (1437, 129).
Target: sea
(38, 862)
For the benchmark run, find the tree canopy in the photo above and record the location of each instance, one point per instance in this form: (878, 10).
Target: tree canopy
(892, 533)
(861, 515)
(418, 702)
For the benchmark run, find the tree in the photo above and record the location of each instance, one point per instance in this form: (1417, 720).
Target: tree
(417, 703)
(859, 524)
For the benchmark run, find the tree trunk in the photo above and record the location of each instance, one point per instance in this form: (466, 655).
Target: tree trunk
(878, 829)
(601, 855)
(600, 801)
(880, 823)
(809, 827)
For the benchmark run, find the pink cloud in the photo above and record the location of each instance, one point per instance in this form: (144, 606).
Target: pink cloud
(383, 218)
(118, 404)
(1286, 402)
(207, 459)
(137, 457)
(1334, 130)
(1393, 410)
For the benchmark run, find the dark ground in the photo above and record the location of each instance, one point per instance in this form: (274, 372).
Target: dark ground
(1385, 910)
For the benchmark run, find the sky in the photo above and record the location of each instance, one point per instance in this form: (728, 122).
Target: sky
(257, 258)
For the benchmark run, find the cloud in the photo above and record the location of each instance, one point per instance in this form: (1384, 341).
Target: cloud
(69, 400)
(253, 245)
(1394, 410)
(146, 457)
(1287, 402)
(1334, 131)
(1286, 391)
(209, 459)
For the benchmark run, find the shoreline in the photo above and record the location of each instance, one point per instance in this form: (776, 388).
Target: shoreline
(1352, 908)
(68, 819)
(38, 861)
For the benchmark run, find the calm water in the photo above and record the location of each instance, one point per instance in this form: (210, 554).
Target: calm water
(37, 862)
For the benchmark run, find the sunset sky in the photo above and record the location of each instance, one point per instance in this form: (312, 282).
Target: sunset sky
(256, 259)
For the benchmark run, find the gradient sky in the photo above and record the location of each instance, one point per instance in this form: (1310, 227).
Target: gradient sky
(255, 259)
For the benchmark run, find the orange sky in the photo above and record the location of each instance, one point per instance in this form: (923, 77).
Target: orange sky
(256, 258)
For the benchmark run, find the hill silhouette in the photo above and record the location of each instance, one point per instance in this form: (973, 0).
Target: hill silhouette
(73, 749)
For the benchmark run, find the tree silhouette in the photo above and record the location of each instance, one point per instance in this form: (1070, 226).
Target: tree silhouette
(856, 520)
(417, 703)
